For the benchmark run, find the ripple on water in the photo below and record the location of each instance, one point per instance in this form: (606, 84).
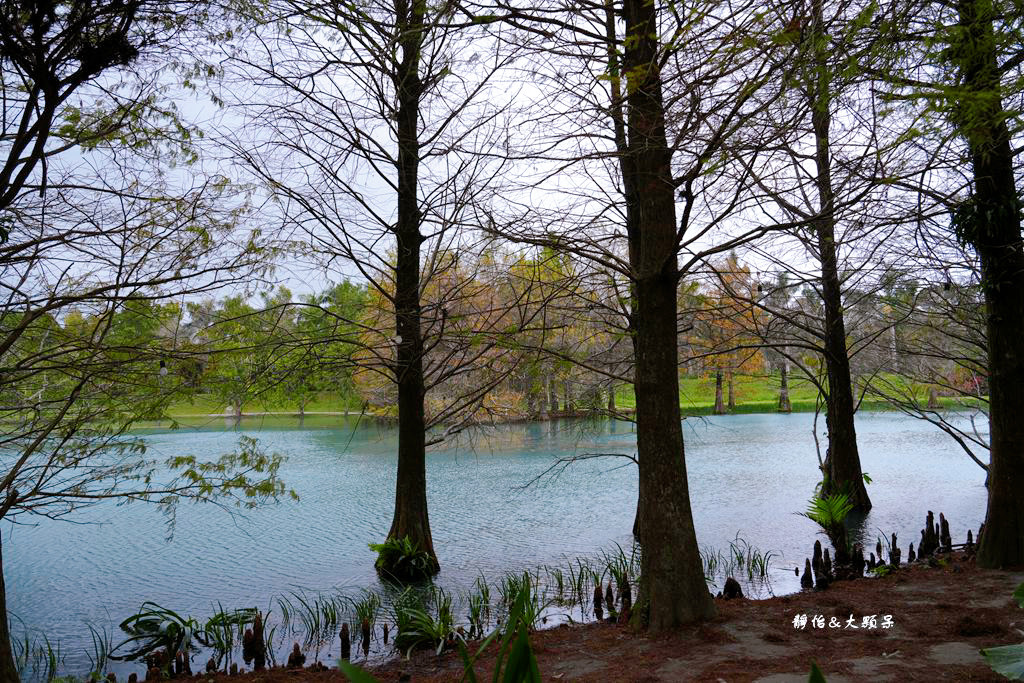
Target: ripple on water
(748, 473)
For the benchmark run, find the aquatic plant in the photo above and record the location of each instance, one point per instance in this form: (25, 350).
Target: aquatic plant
(400, 560)
(710, 560)
(34, 658)
(403, 606)
(557, 576)
(509, 586)
(418, 627)
(366, 608)
(618, 566)
(101, 648)
(515, 654)
(515, 657)
(581, 576)
(155, 628)
(747, 557)
(478, 602)
(316, 617)
(224, 630)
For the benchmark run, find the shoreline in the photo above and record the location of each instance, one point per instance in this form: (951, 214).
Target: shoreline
(926, 621)
(623, 415)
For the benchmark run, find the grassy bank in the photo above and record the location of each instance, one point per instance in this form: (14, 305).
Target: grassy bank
(751, 393)
(760, 394)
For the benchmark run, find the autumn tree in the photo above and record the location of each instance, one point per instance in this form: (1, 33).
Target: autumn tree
(724, 340)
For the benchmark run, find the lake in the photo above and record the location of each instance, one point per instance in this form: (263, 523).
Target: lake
(749, 476)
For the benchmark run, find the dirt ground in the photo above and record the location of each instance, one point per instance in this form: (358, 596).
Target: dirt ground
(938, 619)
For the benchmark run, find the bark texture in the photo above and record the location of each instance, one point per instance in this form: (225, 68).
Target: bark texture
(990, 222)
(411, 518)
(842, 463)
(785, 406)
(8, 672)
(673, 590)
(719, 401)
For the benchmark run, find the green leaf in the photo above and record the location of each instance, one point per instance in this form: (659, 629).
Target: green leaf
(355, 674)
(1007, 660)
(522, 664)
(1018, 595)
(816, 675)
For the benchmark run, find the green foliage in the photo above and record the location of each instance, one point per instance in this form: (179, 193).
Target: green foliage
(317, 616)
(402, 561)
(830, 512)
(366, 608)
(37, 659)
(101, 649)
(424, 625)
(971, 220)
(1008, 660)
(478, 602)
(515, 654)
(155, 628)
(816, 675)
(741, 557)
(515, 661)
(248, 476)
(355, 673)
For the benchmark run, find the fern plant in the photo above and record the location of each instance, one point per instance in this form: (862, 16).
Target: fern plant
(829, 512)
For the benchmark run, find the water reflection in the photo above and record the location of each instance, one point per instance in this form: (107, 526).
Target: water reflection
(749, 477)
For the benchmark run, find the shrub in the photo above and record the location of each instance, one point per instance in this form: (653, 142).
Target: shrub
(400, 560)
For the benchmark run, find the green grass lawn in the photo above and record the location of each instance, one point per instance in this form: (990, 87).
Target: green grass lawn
(754, 394)
(205, 404)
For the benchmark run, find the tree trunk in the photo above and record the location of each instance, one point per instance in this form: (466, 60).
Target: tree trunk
(616, 111)
(542, 398)
(784, 404)
(8, 672)
(673, 590)
(842, 465)
(552, 395)
(719, 402)
(991, 223)
(411, 519)
(611, 399)
(732, 394)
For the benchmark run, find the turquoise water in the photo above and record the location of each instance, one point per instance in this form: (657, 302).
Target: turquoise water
(749, 475)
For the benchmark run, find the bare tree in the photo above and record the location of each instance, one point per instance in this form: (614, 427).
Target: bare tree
(643, 130)
(380, 128)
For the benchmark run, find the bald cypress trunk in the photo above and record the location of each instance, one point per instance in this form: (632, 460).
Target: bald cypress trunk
(673, 590)
(411, 519)
(8, 672)
(990, 222)
(785, 406)
(842, 464)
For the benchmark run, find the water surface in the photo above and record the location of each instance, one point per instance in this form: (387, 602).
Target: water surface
(492, 509)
